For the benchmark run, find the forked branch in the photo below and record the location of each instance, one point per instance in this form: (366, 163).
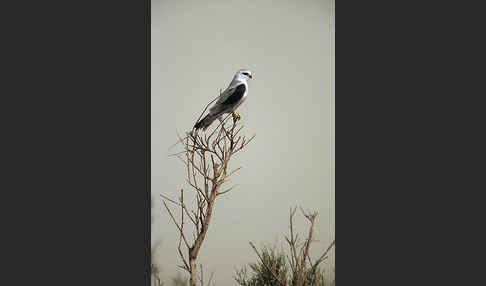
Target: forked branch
(206, 159)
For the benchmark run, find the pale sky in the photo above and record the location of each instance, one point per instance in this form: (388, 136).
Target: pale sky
(197, 46)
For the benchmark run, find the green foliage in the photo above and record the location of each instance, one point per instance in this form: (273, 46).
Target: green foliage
(260, 275)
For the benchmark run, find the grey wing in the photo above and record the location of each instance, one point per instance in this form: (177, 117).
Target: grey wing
(227, 93)
(236, 96)
(218, 106)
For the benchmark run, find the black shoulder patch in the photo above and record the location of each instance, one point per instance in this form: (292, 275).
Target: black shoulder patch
(237, 95)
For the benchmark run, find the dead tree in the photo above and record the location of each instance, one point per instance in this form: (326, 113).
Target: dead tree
(206, 157)
(300, 261)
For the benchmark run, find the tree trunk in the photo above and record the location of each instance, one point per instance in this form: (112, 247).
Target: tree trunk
(193, 268)
(199, 240)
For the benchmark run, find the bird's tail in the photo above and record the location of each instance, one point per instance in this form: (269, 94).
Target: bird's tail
(206, 121)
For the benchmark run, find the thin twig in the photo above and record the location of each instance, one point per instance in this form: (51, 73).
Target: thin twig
(223, 192)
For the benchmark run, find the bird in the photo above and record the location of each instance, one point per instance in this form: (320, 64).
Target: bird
(229, 100)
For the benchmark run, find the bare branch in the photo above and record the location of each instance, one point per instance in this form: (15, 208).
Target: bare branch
(305, 249)
(293, 239)
(172, 201)
(234, 171)
(323, 256)
(210, 278)
(223, 192)
(176, 154)
(179, 227)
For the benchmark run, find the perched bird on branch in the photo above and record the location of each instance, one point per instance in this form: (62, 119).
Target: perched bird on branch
(229, 100)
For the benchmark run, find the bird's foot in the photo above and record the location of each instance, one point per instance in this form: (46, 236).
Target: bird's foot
(236, 116)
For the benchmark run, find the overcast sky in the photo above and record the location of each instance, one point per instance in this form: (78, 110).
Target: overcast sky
(197, 46)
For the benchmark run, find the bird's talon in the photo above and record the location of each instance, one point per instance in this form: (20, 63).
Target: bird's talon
(236, 116)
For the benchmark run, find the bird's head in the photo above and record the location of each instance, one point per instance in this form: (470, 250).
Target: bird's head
(244, 73)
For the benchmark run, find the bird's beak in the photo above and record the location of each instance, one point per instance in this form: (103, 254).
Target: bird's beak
(250, 76)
